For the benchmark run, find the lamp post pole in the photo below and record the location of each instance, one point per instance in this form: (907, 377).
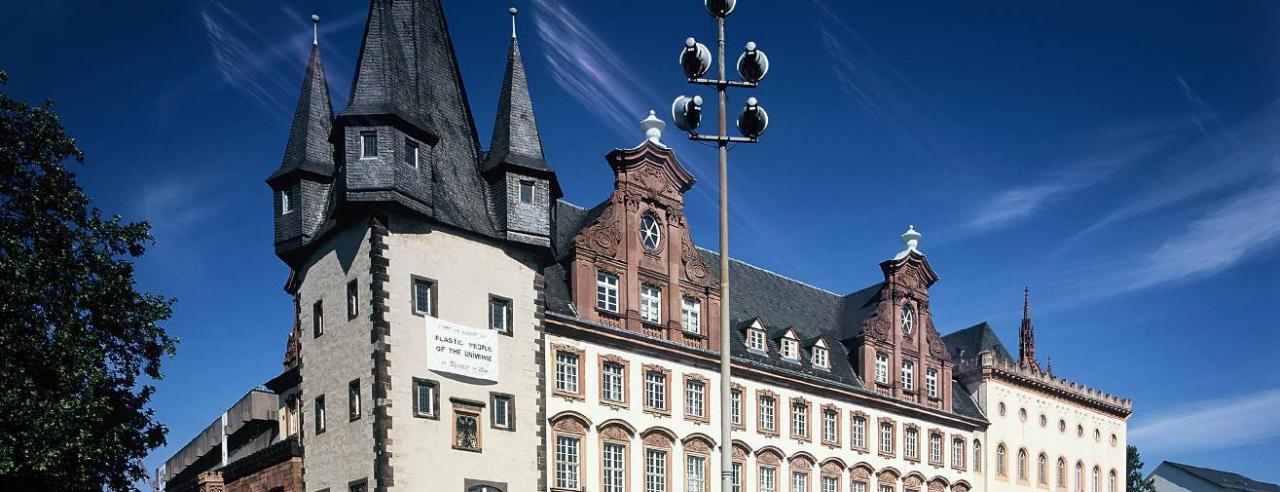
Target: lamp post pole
(726, 426)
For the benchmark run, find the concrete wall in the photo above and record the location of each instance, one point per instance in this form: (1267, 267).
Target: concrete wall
(467, 270)
(597, 413)
(1092, 447)
(344, 451)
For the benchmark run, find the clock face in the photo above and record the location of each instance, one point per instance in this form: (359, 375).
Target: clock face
(650, 232)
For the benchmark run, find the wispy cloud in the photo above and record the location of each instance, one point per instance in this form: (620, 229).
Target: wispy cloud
(590, 70)
(1211, 424)
(241, 61)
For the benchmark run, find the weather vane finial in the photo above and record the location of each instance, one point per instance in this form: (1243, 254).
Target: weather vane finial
(513, 13)
(315, 30)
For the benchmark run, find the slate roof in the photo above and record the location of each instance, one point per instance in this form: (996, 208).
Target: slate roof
(1226, 480)
(967, 343)
(515, 130)
(410, 70)
(308, 148)
(779, 302)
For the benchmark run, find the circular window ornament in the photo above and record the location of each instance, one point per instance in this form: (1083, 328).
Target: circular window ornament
(650, 232)
(1022, 414)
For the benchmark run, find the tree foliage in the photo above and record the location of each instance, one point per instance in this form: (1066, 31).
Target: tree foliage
(1133, 473)
(78, 342)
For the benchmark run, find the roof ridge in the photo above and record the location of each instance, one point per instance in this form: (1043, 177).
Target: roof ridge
(776, 274)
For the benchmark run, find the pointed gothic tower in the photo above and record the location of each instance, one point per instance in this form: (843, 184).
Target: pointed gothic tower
(522, 186)
(302, 183)
(1027, 335)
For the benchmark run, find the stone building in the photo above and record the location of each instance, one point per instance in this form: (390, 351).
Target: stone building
(482, 334)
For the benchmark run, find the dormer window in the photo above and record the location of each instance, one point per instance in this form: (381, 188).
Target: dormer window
(821, 357)
(526, 191)
(650, 231)
(755, 339)
(908, 319)
(411, 156)
(790, 346)
(287, 199)
(368, 145)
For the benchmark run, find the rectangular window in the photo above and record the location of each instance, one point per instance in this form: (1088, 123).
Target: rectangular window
(768, 479)
(882, 368)
(820, 357)
(611, 374)
(886, 488)
(424, 297)
(799, 420)
(527, 191)
(353, 299)
(317, 318)
(790, 349)
(691, 315)
(735, 406)
(695, 473)
(426, 398)
(859, 437)
(287, 200)
(912, 445)
(502, 412)
(755, 340)
(567, 372)
(353, 400)
(650, 304)
(830, 425)
(500, 315)
(935, 449)
(931, 382)
(799, 482)
(908, 375)
(694, 396)
(368, 145)
(655, 390)
(655, 470)
(567, 462)
(613, 463)
(411, 153)
(766, 413)
(858, 487)
(320, 417)
(735, 480)
(606, 292)
(829, 484)
(957, 453)
(886, 438)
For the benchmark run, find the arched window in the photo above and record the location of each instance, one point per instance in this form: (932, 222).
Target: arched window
(1000, 463)
(1096, 484)
(1062, 473)
(1042, 469)
(1022, 464)
(1111, 482)
(1079, 476)
(977, 455)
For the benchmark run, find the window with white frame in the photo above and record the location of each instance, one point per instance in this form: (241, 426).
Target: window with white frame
(287, 200)
(857, 486)
(567, 372)
(502, 412)
(426, 398)
(830, 425)
(567, 453)
(650, 304)
(1096, 483)
(882, 368)
(829, 484)
(768, 479)
(527, 191)
(411, 153)
(655, 470)
(368, 145)
(790, 348)
(1000, 462)
(799, 419)
(908, 319)
(691, 315)
(735, 479)
(655, 390)
(695, 473)
(1079, 476)
(886, 438)
(908, 375)
(755, 340)
(821, 357)
(612, 466)
(423, 300)
(931, 382)
(500, 315)
(321, 422)
(606, 292)
(694, 397)
(1022, 464)
(858, 437)
(977, 455)
(611, 374)
(767, 407)
(957, 453)
(912, 442)
(1111, 481)
(735, 406)
(1062, 472)
(1042, 469)
(353, 299)
(886, 488)
(799, 482)
(935, 448)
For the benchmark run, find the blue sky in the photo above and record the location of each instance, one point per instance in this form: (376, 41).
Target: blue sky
(1120, 158)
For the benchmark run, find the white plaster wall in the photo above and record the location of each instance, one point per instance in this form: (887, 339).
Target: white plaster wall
(1016, 433)
(633, 414)
(466, 271)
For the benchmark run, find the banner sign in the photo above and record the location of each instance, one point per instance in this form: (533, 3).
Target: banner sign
(462, 350)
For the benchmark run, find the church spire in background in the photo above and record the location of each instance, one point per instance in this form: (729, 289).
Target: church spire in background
(1027, 335)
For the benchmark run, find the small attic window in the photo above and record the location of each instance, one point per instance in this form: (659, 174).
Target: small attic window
(821, 357)
(790, 346)
(755, 339)
(526, 191)
(368, 145)
(411, 155)
(288, 200)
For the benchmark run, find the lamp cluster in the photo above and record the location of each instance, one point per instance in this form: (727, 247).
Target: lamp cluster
(695, 61)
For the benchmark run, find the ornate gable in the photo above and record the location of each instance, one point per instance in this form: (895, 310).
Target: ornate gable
(639, 241)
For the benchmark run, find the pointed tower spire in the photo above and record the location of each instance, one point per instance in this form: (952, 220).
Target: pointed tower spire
(301, 184)
(1027, 335)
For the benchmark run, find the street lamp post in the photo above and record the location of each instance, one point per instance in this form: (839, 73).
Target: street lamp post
(686, 112)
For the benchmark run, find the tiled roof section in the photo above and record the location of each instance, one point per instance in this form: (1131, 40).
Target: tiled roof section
(778, 301)
(966, 344)
(1227, 480)
(962, 403)
(515, 130)
(408, 68)
(308, 148)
